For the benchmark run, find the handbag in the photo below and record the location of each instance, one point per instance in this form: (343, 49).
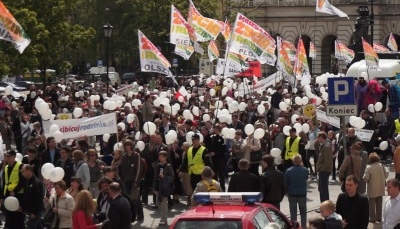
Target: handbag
(49, 216)
(256, 156)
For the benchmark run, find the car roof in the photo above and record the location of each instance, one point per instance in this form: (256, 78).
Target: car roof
(219, 211)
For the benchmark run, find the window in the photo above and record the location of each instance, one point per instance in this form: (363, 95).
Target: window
(212, 224)
(278, 219)
(260, 220)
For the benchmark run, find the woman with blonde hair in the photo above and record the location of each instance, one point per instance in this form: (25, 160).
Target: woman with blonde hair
(82, 212)
(117, 156)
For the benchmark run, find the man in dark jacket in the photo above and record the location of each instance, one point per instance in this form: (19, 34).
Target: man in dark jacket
(243, 181)
(51, 154)
(218, 157)
(32, 203)
(119, 212)
(272, 182)
(66, 163)
(32, 159)
(353, 206)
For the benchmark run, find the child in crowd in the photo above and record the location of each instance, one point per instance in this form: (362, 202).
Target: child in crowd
(332, 219)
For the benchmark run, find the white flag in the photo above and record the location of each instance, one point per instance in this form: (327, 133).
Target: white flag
(324, 6)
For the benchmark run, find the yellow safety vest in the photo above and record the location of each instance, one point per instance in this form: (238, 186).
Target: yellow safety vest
(196, 163)
(397, 125)
(293, 149)
(14, 178)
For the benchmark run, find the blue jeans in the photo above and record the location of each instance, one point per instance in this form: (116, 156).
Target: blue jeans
(323, 188)
(302, 202)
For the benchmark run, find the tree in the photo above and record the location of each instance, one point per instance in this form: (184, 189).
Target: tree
(54, 37)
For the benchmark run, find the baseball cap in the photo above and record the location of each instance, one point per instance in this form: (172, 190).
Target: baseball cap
(11, 153)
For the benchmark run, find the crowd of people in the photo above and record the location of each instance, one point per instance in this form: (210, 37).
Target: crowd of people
(121, 176)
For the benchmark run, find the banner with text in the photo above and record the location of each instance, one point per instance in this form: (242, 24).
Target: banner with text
(283, 65)
(364, 135)
(151, 59)
(332, 120)
(181, 33)
(250, 40)
(11, 30)
(205, 28)
(73, 128)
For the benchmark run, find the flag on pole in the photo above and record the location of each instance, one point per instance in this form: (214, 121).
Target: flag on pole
(313, 51)
(235, 64)
(301, 63)
(324, 6)
(371, 58)
(289, 48)
(284, 64)
(380, 48)
(11, 30)
(213, 52)
(252, 40)
(181, 92)
(180, 32)
(226, 30)
(185, 51)
(392, 44)
(205, 28)
(151, 59)
(342, 52)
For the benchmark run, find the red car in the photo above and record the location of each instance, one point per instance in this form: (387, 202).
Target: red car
(231, 211)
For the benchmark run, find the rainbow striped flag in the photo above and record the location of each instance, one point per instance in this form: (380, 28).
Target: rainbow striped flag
(392, 44)
(342, 52)
(371, 58)
(226, 30)
(284, 65)
(380, 48)
(206, 28)
(313, 51)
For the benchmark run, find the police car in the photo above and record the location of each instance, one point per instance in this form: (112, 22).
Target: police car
(231, 211)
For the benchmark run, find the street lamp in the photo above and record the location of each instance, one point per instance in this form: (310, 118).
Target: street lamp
(107, 33)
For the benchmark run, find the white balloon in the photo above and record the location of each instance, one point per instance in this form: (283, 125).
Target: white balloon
(118, 146)
(54, 128)
(19, 156)
(58, 136)
(196, 111)
(298, 101)
(357, 122)
(137, 136)
(261, 109)
(106, 137)
(122, 125)
(364, 75)
(322, 89)
(294, 118)
(11, 203)
(276, 152)
(259, 133)
(306, 127)
(149, 128)
(47, 115)
(324, 95)
(212, 92)
(288, 101)
(42, 107)
(371, 108)
(298, 127)
(242, 106)
(46, 169)
(318, 101)
(225, 132)
(218, 104)
(249, 129)
(378, 106)
(130, 118)
(181, 99)
(283, 106)
(186, 114)
(206, 117)
(201, 98)
(77, 94)
(383, 145)
(305, 100)
(169, 139)
(224, 91)
(351, 120)
(286, 130)
(77, 112)
(57, 174)
(37, 102)
(189, 136)
(8, 90)
(278, 160)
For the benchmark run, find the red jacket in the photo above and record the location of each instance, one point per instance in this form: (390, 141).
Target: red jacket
(81, 221)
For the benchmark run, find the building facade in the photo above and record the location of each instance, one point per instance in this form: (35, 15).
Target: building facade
(292, 18)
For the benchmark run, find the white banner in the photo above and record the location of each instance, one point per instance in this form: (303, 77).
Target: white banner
(73, 128)
(364, 135)
(124, 90)
(261, 84)
(332, 120)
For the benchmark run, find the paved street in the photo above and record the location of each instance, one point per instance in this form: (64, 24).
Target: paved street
(152, 216)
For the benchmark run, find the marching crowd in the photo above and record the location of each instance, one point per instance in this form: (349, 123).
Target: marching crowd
(198, 139)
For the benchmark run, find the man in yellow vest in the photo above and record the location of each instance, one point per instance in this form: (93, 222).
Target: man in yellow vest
(293, 146)
(12, 185)
(196, 159)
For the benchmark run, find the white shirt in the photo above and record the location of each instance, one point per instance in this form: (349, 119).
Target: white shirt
(391, 209)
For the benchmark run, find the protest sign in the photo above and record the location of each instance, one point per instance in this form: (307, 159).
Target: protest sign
(73, 128)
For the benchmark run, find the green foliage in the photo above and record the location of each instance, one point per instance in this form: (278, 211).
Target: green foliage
(54, 37)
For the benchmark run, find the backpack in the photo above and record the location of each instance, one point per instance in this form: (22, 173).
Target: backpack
(210, 186)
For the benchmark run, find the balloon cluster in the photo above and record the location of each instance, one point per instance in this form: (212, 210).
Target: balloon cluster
(54, 174)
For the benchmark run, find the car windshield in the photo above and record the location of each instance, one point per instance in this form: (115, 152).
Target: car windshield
(202, 224)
